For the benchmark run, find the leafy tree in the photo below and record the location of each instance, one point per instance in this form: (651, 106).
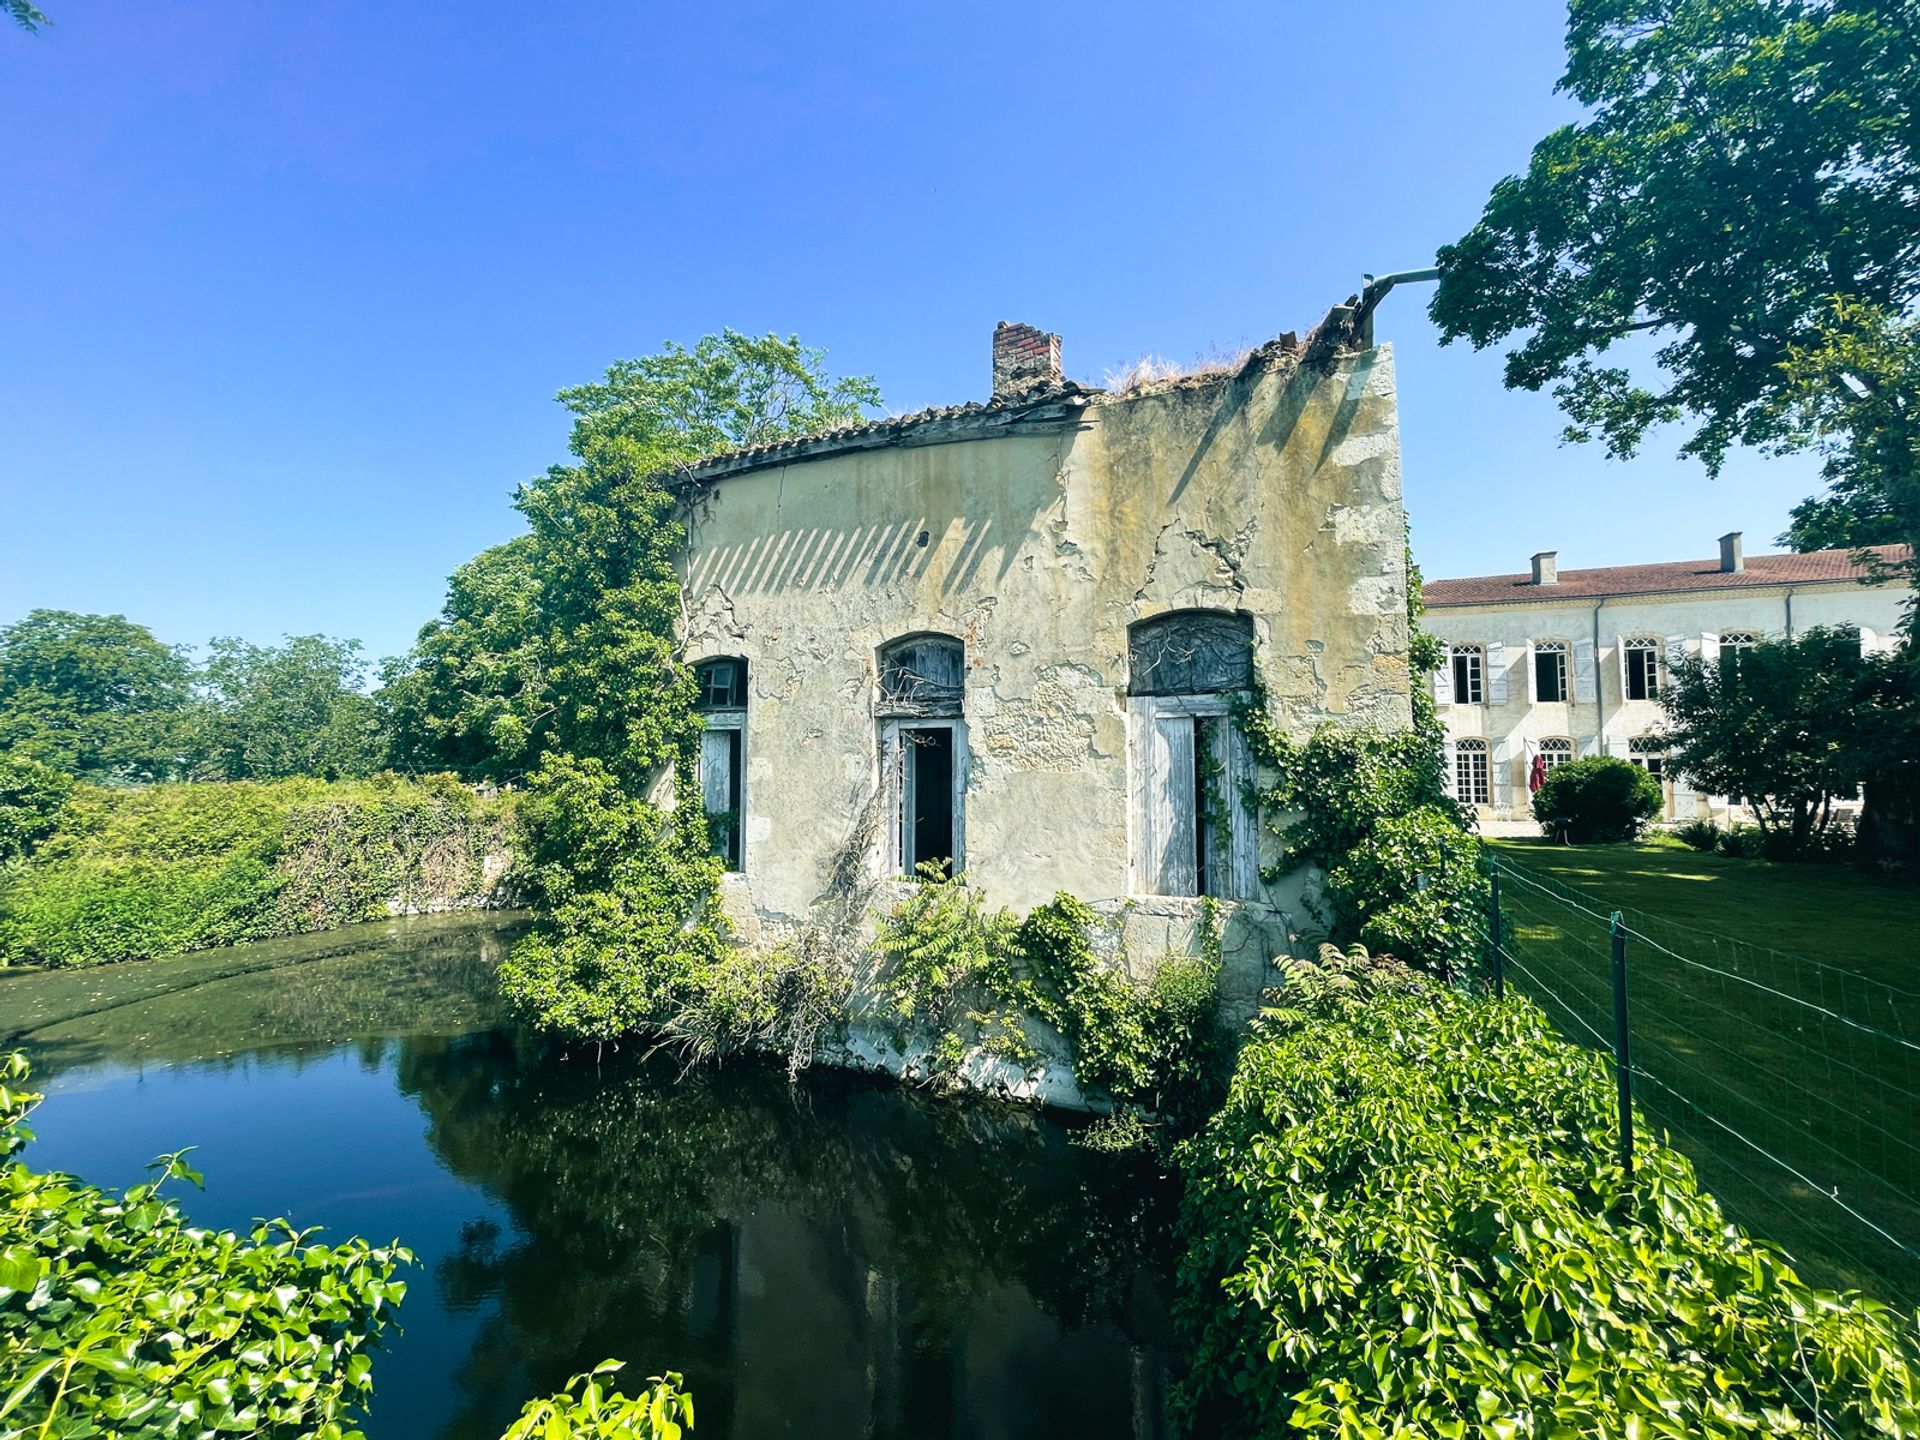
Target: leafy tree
(1741, 188)
(25, 16)
(1852, 514)
(93, 695)
(473, 695)
(271, 712)
(594, 690)
(1788, 725)
(31, 795)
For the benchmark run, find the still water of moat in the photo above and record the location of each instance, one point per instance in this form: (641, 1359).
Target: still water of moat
(836, 1258)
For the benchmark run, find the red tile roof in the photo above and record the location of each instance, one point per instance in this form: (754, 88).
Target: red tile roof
(1674, 575)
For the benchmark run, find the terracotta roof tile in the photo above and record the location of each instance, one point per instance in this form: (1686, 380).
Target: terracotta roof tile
(1662, 578)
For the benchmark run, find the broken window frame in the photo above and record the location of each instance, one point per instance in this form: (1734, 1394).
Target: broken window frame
(723, 756)
(922, 676)
(896, 740)
(1188, 765)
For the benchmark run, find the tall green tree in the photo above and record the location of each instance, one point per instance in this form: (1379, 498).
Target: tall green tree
(1741, 191)
(95, 696)
(587, 685)
(1789, 726)
(269, 712)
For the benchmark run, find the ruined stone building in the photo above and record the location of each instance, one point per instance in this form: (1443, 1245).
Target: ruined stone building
(1004, 637)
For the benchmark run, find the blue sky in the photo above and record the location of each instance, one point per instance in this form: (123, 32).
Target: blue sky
(288, 288)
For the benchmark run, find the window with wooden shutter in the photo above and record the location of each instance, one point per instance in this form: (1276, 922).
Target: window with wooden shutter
(1193, 834)
(924, 749)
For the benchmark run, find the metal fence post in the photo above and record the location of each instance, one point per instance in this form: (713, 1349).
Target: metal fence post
(1622, 1060)
(1493, 931)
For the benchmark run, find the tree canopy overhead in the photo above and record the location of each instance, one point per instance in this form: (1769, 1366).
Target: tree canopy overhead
(92, 695)
(1742, 190)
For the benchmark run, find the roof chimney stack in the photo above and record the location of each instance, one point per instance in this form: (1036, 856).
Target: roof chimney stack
(1546, 568)
(1733, 559)
(1022, 358)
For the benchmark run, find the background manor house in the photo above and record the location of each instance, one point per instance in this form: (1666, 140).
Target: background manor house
(1004, 637)
(1557, 664)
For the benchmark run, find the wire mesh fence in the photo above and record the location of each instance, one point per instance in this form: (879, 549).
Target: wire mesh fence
(1793, 1085)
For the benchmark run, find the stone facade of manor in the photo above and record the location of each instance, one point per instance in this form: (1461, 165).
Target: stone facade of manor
(1004, 638)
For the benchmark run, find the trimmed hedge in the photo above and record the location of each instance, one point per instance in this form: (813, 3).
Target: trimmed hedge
(164, 869)
(1408, 1220)
(1600, 800)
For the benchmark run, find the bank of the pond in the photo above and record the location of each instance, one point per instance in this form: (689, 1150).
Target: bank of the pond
(841, 1256)
(160, 870)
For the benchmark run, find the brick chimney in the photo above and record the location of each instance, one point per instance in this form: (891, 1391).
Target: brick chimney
(1733, 558)
(1022, 358)
(1546, 568)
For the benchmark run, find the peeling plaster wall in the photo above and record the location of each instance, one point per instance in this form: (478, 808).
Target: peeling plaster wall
(1275, 492)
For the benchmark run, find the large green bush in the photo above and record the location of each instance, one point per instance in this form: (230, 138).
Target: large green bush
(1416, 886)
(1597, 801)
(164, 869)
(1408, 1220)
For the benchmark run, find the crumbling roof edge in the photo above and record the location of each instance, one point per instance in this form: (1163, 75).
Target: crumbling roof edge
(1046, 406)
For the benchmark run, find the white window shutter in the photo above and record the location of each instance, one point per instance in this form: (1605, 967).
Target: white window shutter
(1496, 673)
(1584, 674)
(1709, 647)
(1590, 746)
(1676, 652)
(1620, 654)
(716, 770)
(1443, 680)
(1449, 752)
(1533, 673)
(1170, 807)
(1502, 788)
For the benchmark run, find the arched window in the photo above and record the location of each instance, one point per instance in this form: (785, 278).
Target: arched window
(1191, 652)
(1192, 831)
(1738, 640)
(1550, 671)
(1555, 752)
(1472, 775)
(722, 702)
(1649, 752)
(923, 743)
(1640, 668)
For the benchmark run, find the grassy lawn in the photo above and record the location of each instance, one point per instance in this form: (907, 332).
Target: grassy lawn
(1775, 1016)
(1830, 913)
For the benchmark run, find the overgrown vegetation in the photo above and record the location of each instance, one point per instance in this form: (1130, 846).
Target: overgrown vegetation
(164, 869)
(585, 1409)
(1600, 800)
(1408, 1219)
(956, 975)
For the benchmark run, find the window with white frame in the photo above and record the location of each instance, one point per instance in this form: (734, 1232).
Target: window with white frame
(1738, 640)
(1649, 752)
(1554, 753)
(1472, 775)
(1469, 674)
(1640, 668)
(923, 743)
(722, 704)
(1192, 832)
(1550, 670)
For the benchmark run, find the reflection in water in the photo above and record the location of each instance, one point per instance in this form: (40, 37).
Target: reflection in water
(834, 1259)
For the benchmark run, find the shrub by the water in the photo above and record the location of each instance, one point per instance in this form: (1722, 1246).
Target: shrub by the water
(1408, 1220)
(164, 869)
(1597, 800)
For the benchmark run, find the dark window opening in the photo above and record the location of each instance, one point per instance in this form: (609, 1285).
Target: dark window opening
(1550, 674)
(922, 677)
(1643, 672)
(926, 808)
(1466, 675)
(1192, 652)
